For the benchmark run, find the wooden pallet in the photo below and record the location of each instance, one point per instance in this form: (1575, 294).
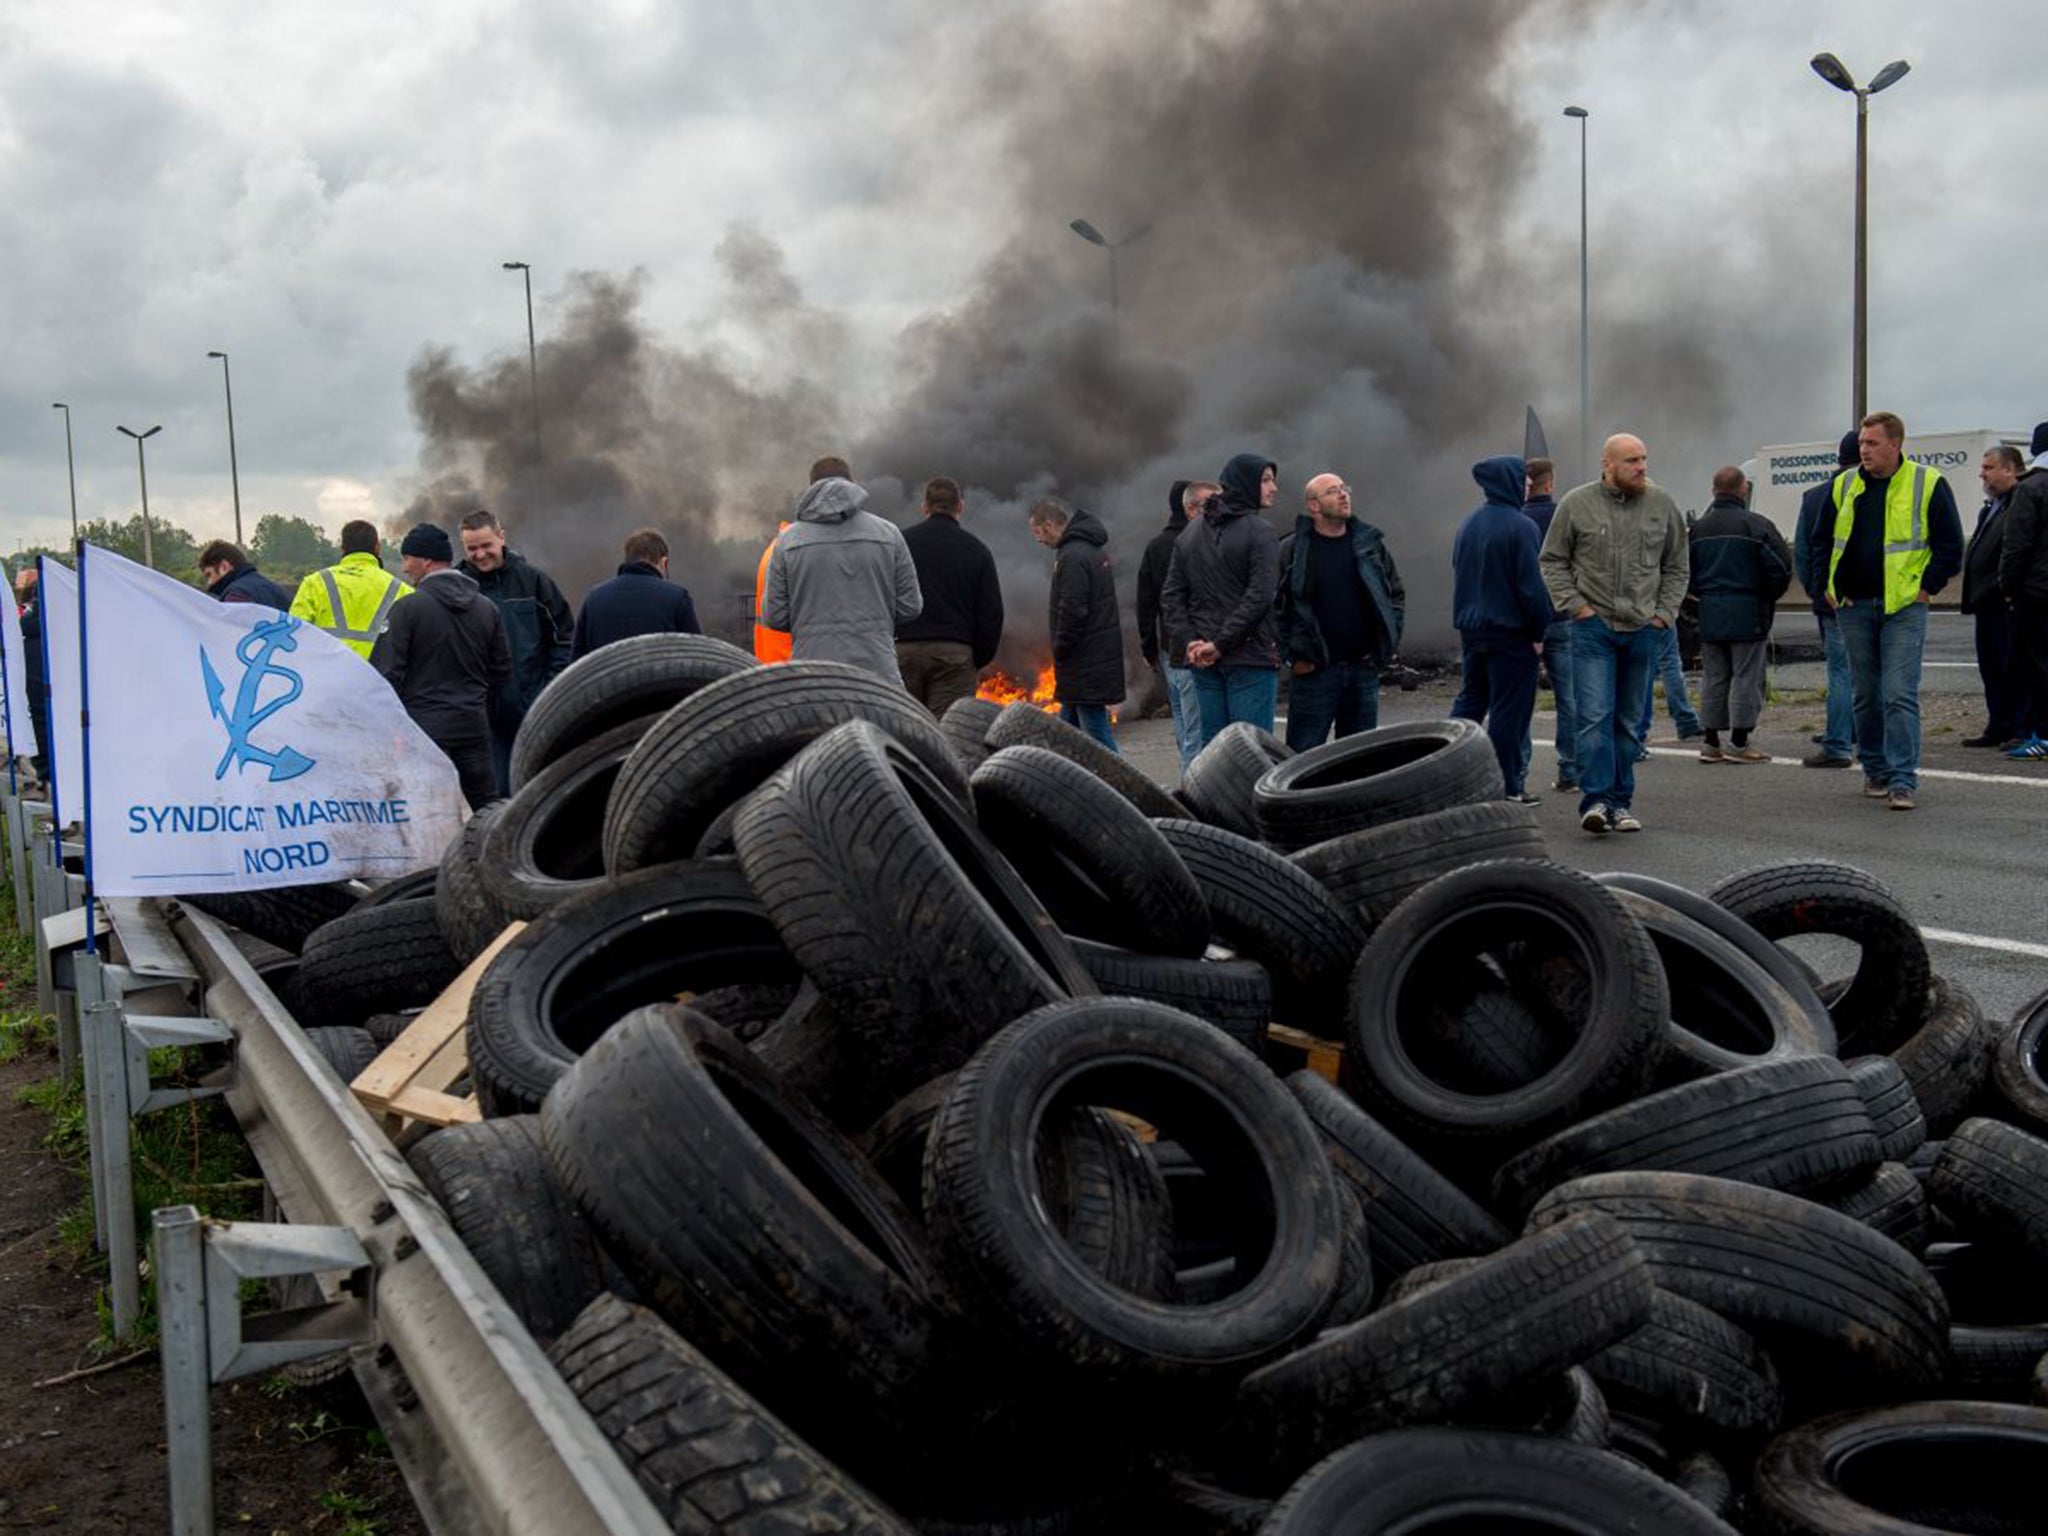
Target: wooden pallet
(1325, 1058)
(411, 1077)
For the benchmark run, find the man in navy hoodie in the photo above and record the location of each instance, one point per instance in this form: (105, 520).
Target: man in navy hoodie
(1538, 507)
(1501, 608)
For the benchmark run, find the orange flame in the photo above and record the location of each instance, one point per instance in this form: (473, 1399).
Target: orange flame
(1001, 688)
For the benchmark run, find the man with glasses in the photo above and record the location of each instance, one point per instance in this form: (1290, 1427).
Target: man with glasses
(1339, 615)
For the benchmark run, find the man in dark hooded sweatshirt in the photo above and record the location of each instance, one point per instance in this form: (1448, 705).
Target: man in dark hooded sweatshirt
(1219, 598)
(1087, 630)
(1152, 638)
(444, 653)
(1501, 609)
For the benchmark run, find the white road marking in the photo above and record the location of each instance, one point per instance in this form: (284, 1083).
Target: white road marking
(1961, 774)
(1984, 941)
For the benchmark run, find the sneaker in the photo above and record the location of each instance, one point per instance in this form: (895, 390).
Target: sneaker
(1712, 753)
(1748, 755)
(1988, 739)
(1875, 789)
(1822, 760)
(2029, 750)
(1594, 819)
(1525, 798)
(1563, 785)
(1623, 820)
(1692, 735)
(1818, 741)
(1901, 799)
(1642, 754)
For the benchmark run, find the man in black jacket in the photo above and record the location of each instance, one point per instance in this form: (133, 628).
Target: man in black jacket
(1812, 542)
(1740, 568)
(1339, 616)
(2005, 689)
(2023, 582)
(1219, 598)
(639, 600)
(230, 578)
(444, 654)
(1174, 671)
(942, 651)
(539, 628)
(1087, 630)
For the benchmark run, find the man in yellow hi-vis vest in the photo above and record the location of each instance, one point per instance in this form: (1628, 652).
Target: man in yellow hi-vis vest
(351, 601)
(1897, 541)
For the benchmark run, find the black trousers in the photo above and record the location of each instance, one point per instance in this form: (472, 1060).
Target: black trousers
(472, 760)
(2003, 670)
(2030, 664)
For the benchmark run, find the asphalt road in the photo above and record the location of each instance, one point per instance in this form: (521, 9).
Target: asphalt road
(1969, 863)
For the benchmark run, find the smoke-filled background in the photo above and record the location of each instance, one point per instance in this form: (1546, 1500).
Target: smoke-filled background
(764, 233)
(1322, 272)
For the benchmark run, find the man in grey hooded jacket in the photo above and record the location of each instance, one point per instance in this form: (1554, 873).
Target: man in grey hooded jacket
(841, 581)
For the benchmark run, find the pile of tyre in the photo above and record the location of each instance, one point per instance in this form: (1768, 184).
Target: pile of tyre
(884, 1133)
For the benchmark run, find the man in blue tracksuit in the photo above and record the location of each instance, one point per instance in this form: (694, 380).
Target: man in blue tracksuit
(1501, 609)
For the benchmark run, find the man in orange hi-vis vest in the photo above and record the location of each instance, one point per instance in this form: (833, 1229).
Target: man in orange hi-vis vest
(769, 644)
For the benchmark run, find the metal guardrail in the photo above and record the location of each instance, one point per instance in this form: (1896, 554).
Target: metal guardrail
(517, 1455)
(489, 1437)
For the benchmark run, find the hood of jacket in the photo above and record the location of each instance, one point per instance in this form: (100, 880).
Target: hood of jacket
(831, 500)
(1176, 514)
(1502, 478)
(451, 588)
(1240, 480)
(1085, 526)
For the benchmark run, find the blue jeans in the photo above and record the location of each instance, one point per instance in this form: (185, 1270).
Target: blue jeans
(1611, 669)
(1557, 660)
(1672, 670)
(1187, 712)
(1345, 693)
(1500, 688)
(1884, 675)
(1094, 719)
(1230, 694)
(1838, 735)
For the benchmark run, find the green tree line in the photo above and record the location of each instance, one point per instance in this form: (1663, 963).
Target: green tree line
(285, 549)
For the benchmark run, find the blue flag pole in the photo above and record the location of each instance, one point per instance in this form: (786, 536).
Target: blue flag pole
(49, 747)
(85, 748)
(7, 694)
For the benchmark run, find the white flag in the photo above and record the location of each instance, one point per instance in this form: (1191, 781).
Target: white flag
(234, 747)
(21, 732)
(58, 601)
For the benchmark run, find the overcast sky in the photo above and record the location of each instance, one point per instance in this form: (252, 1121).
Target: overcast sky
(324, 191)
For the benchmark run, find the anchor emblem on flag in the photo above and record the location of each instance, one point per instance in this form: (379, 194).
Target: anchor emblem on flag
(255, 651)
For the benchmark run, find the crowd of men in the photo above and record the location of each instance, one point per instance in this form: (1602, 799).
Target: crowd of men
(1586, 589)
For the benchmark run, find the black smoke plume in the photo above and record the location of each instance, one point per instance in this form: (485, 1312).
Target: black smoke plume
(1329, 277)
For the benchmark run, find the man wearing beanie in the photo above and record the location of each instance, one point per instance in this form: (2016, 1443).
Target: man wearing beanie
(444, 654)
(1812, 544)
(2023, 582)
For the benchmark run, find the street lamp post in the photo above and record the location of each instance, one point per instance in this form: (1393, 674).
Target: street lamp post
(142, 472)
(1095, 236)
(1832, 70)
(1585, 309)
(70, 465)
(532, 351)
(234, 470)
